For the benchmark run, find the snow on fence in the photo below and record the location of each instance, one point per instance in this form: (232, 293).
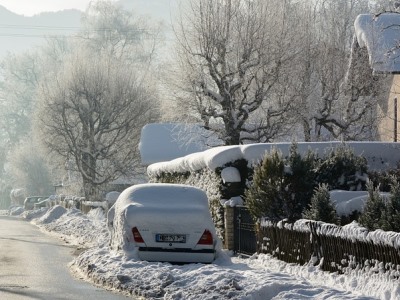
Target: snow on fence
(333, 248)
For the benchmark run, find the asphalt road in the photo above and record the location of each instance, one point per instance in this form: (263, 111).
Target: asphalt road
(34, 265)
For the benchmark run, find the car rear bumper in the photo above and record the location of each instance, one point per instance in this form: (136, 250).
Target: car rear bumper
(177, 255)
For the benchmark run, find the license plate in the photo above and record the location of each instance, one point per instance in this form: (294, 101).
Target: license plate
(170, 238)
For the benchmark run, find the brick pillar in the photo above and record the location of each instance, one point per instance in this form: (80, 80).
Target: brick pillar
(229, 228)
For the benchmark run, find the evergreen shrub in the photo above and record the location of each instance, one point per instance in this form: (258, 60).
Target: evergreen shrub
(321, 207)
(341, 169)
(282, 187)
(382, 212)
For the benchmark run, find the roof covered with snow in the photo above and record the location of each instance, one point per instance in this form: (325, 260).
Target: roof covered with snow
(166, 141)
(380, 34)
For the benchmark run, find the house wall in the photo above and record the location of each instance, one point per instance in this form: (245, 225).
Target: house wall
(388, 115)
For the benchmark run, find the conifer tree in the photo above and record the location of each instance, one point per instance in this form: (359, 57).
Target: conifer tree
(300, 178)
(264, 197)
(374, 209)
(321, 207)
(391, 218)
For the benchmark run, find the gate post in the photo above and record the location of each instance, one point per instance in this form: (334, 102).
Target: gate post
(229, 213)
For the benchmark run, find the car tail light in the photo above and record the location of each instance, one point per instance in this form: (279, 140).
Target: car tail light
(136, 235)
(206, 238)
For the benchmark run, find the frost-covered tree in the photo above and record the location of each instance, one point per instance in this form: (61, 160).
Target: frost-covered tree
(19, 75)
(325, 108)
(28, 169)
(92, 113)
(97, 94)
(109, 29)
(321, 207)
(230, 56)
(267, 70)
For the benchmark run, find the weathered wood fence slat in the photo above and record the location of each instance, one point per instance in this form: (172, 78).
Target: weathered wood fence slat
(332, 253)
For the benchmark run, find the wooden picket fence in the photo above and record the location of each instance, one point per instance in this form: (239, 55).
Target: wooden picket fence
(331, 253)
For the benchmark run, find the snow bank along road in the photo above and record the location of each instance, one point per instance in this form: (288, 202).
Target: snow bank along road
(260, 277)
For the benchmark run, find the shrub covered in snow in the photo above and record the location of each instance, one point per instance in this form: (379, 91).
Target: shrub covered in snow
(265, 197)
(282, 187)
(382, 212)
(384, 178)
(321, 207)
(342, 169)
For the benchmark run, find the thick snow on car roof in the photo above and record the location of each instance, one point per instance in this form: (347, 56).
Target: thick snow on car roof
(163, 194)
(147, 204)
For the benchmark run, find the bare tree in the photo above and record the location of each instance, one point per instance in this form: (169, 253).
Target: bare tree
(325, 106)
(108, 28)
(231, 54)
(28, 169)
(92, 113)
(19, 77)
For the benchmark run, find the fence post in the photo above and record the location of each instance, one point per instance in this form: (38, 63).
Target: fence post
(229, 228)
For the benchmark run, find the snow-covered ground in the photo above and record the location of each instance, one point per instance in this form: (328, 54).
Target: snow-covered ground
(229, 277)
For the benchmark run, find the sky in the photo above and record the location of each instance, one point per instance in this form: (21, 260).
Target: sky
(32, 7)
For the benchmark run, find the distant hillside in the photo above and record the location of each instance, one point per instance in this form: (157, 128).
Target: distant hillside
(157, 9)
(19, 33)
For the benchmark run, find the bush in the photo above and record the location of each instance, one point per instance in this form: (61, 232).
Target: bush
(282, 188)
(384, 178)
(372, 216)
(392, 212)
(264, 198)
(343, 170)
(300, 178)
(321, 207)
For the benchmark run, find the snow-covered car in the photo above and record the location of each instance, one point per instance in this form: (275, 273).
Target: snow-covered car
(42, 203)
(163, 222)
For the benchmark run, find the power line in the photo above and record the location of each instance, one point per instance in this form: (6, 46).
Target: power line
(74, 28)
(38, 27)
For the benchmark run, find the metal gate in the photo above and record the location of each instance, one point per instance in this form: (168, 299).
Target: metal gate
(245, 240)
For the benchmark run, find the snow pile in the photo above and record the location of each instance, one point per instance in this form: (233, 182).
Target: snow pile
(347, 202)
(232, 202)
(380, 35)
(230, 174)
(33, 214)
(53, 213)
(75, 227)
(389, 155)
(16, 210)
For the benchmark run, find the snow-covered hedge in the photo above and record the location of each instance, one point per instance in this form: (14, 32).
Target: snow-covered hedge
(379, 155)
(226, 172)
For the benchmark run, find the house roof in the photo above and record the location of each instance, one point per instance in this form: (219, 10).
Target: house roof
(380, 35)
(166, 141)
